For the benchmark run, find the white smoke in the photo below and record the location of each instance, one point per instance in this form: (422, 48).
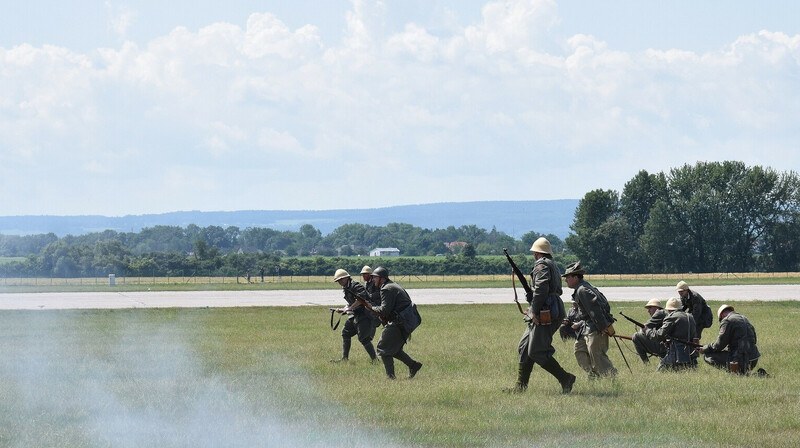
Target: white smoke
(144, 385)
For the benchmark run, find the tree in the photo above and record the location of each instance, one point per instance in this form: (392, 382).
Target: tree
(600, 232)
(468, 251)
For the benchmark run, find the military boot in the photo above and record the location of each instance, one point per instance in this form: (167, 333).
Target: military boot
(345, 351)
(388, 364)
(565, 379)
(524, 370)
(370, 351)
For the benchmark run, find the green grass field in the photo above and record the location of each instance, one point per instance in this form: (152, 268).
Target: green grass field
(262, 377)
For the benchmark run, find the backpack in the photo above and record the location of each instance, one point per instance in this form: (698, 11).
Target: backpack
(409, 318)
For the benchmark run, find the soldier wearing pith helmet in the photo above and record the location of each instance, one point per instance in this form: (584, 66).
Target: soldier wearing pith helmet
(360, 322)
(735, 344)
(647, 345)
(677, 326)
(373, 293)
(536, 345)
(696, 305)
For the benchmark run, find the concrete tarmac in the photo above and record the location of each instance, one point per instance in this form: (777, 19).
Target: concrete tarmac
(333, 297)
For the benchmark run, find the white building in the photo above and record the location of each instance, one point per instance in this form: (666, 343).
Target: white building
(385, 252)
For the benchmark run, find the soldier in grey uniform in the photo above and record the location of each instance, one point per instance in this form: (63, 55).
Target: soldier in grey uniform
(677, 324)
(737, 334)
(536, 345)
(591, 350)
(393, 300)
(373, 292)
(695, 304)
(566, 329)
(360, 322)
(646, 345)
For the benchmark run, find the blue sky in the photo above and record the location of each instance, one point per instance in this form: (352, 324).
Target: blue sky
(115, 108)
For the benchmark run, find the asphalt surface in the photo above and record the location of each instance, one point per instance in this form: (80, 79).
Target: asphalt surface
(333, 297)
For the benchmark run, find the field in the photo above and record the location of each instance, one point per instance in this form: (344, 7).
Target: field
(242, 377)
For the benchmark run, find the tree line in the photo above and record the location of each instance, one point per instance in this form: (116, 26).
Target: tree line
(707, 217)
(230, 251)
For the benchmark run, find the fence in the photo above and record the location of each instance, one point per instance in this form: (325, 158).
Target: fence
(17, 281)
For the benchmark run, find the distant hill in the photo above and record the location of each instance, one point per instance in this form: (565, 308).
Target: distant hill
(514, 218)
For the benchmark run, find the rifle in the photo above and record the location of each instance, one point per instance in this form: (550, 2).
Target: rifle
(622, 336)
(516, 272)
(367, 305)
(685, 342)
(635, 322)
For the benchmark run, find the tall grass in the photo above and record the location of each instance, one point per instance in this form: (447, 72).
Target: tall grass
(261, 377)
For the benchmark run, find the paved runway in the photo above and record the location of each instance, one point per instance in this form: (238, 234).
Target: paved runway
(333, 297)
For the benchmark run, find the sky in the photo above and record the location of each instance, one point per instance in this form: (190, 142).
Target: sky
(123, 108)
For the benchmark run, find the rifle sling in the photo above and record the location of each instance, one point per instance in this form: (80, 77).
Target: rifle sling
(334, 327)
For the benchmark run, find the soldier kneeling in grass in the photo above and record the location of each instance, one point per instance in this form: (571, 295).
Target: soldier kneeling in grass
(737, 334)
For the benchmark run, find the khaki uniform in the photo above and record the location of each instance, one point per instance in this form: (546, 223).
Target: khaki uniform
(737, 334)
(393, 299)
(591, 350)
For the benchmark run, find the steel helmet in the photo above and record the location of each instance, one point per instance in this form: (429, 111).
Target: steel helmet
(654, 302)
(541, 245)
(366, 270)
(381, 272)
(673, 304)
(340, 274)
(722, 308)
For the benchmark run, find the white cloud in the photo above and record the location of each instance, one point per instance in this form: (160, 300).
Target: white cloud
(478, 104)
(120, 18)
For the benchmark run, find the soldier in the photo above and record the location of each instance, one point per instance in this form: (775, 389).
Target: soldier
(394, 299)
(536, 345)
(646, 345)
(695, 304)
(360, 322)
(373, 293)
(737, 334)
(591, 350)
(566, 330)
(677, 326)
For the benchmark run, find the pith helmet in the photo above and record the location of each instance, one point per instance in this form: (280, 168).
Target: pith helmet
(673, 304)
(366, 270)
(340, 274)
(574, 269)
(654, 302)
(681, 286)
(381, 272)
(722, 308)
(541, 245)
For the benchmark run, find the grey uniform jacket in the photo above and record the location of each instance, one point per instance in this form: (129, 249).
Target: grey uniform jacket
(373, 293)
(546, 283)
(393, 299)
(590, 303)
(677, 324)
(354, 290)
(656, 320)
(737, 334)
